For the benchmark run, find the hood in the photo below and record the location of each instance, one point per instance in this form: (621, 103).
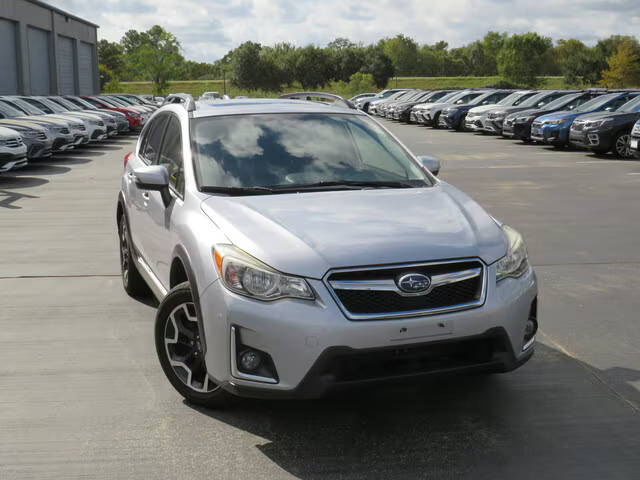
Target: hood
(70, 119)
(16, 123)
(7, 132)
(558, 115)
(46, 120)
(482, 108)
(309, 233)
(615, 115)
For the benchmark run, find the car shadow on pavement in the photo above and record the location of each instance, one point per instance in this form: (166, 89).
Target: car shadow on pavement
(42, 169)
(9, 197)
(556, 417)
(87, 152)
(59, 160)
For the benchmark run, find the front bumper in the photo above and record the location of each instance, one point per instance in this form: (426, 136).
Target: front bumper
(634, 145)
(12, 161)
(492, 125)
(63, 142)
(517, 130)
(590, 139)
(37, 148)
(303, 338)
(473, 124)
(551, 134)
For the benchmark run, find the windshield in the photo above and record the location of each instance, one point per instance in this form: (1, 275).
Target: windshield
(447, 97)
(106, 102)
(9, 110)
(26, 106)
(66, 103)
(483, 97)
(534, 100)
(280, 150)
(456, 96)
(123, 100)
(561, 102)
(114, 101)
(512, 99)
(632, 105)
(52, 105)
(596, 103)
(82, 103)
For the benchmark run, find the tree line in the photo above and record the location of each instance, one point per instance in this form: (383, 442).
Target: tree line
(519, 59)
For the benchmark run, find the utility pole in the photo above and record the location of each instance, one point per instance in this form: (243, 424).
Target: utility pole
(224, 80)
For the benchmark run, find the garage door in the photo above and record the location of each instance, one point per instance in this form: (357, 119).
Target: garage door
(9, 76)
(85, 68)
(66, 77)
(39, 70)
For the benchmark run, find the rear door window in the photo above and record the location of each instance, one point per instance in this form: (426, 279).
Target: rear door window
(171, 154)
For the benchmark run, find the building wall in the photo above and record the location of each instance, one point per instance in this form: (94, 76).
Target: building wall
(46, 50)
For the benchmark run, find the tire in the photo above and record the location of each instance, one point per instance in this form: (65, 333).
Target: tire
(132, 281)
(621, 145)
(461, 123)
(177, 337)
(436, 119)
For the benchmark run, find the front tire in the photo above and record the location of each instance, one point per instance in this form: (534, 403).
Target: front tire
(179, 347)
(621, 145)
(436, 120)
(132, 281)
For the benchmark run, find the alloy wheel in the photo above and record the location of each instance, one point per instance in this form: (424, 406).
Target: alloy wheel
(183, 347)
(125, 252)
(622, 146)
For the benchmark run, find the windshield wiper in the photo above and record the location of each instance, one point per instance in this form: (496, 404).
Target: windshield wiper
(238, 191)
(342, 184)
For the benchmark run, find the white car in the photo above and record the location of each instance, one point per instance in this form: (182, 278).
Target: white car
(13, 151)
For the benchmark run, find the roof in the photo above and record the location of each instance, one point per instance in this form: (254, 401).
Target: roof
(62, 12)
(266, 105)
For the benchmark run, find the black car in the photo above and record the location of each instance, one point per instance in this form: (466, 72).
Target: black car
(607, 131)
(518, 125)
(454, 116)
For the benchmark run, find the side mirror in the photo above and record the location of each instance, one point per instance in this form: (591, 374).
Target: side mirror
(608, 109)
(154, 178)
(430, 163)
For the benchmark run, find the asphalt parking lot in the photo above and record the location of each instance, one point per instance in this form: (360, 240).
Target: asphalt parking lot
(82, 394)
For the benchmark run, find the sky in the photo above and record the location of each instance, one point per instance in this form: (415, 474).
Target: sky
(207, 29)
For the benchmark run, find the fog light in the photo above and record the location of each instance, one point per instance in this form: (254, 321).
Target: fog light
(250, 360)
(530, 328)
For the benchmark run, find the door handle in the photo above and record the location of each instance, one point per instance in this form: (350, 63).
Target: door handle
(145, 195)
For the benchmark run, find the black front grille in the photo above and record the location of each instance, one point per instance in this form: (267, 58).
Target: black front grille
(365, 301)
(381, 302)
(396, 362)
(41, 136)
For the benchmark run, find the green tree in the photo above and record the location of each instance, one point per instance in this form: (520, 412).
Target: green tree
(111, 55)
(521, 58)
(624, 67)
(379, 65)
(577, 62)
(245, 66)
(403, 52)
(313, 67)
(157, 56)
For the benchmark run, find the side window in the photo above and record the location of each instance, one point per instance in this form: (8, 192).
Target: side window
(39, 105)
(150, 144)
(617, 103)
(171, 154)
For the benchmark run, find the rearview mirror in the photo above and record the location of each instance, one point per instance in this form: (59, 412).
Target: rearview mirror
(154, 178)
(430, 163)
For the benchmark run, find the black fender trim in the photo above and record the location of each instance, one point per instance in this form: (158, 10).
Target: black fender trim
(180, 253)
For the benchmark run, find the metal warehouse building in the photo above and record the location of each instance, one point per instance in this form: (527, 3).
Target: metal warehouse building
(44, 50)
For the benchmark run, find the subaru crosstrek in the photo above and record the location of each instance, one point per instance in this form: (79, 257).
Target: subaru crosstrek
(297, 247)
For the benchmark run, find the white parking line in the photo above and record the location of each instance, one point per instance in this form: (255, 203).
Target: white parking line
(603, 161)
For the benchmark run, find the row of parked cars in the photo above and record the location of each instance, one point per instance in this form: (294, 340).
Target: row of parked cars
(33, 127)
(600, 120)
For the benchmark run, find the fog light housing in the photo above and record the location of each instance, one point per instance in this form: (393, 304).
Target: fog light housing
(531, 327)
(250, 360)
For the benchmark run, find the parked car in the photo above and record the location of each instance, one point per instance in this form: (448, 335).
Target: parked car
(602, 132)
(210, 96)
(127, 102)
(77, 127)
(473, 120)
(383, 108)
(518, 125)
(402, 110)
(454, 116)
(364, 103)
(287, 244)
(13, 152)
(60, 130)
(493, 119)
(416, 114)
(360, 96)
(634, 141)
(120, 118)
(430, 115)
(139, 100)
(38, 140)
(134, 117)
(374, 103)
(390, 108)
(95, 128)
(554, 127)
(107, 119)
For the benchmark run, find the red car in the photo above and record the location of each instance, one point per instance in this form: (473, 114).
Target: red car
(135, 118)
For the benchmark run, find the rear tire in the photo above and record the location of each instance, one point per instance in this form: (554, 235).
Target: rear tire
(132, 281)
(179, 348)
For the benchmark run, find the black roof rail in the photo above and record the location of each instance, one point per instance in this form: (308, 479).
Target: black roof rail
(184, 99)
(319, 95)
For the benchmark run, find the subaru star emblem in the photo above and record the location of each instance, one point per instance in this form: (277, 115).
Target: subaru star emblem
(413, 283)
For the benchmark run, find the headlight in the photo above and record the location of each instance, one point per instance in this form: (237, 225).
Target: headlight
(525, 119)
(556, 122)
(598, 123)
(243, 274)
(99, 123)
(29, 133)
(515, 262)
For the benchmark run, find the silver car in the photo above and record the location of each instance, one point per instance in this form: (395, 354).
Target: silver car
(298, 248)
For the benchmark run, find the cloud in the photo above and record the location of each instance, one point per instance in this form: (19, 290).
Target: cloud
(207, 29)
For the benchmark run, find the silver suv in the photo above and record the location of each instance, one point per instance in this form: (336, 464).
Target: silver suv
(297, 247)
